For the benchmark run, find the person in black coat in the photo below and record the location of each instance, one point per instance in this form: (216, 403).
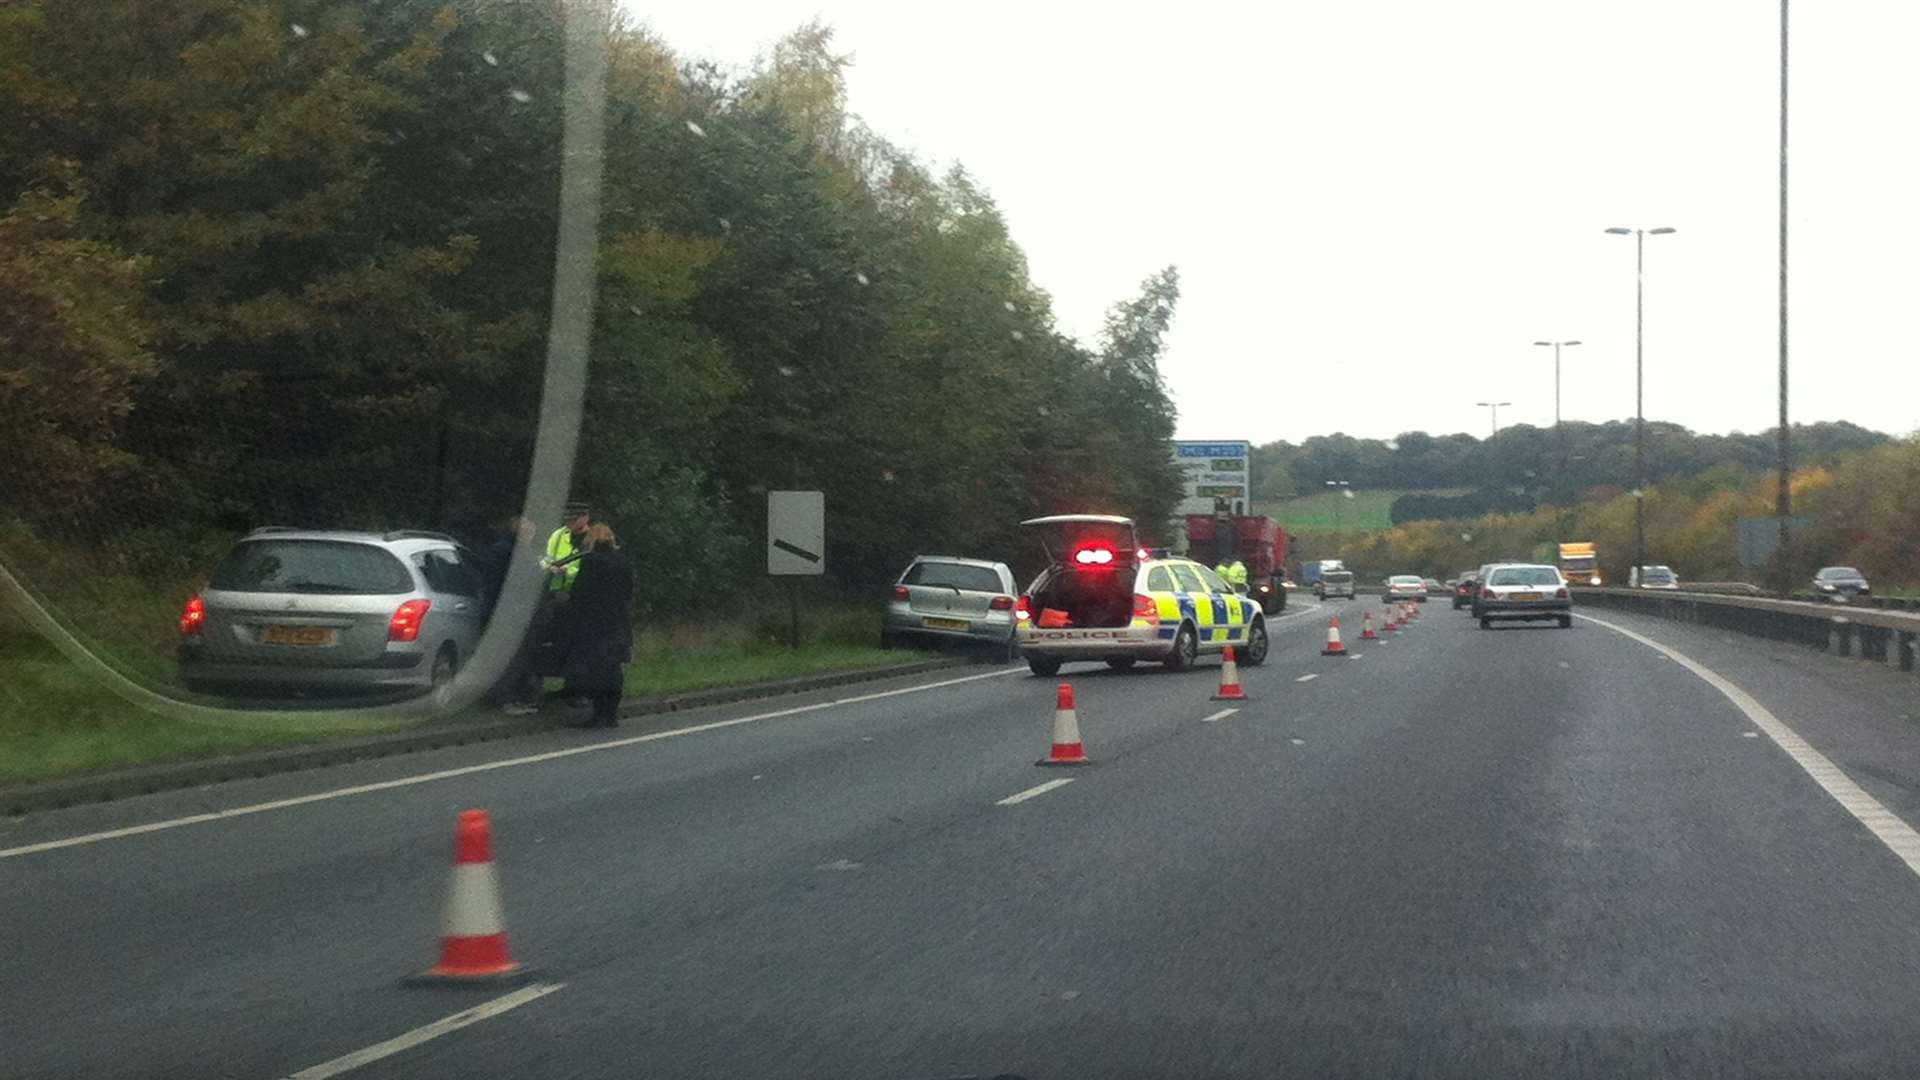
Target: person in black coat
(599, 618)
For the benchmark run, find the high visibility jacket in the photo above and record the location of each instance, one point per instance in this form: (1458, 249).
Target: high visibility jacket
(1236, 573)
(1225, 572)
(559, 546)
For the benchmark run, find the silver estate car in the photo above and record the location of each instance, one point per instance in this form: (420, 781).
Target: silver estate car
(1523, 591)
(309, 611)
(946, 599)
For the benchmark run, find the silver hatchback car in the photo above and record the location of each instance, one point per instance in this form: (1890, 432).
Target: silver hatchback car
(307, 611)
(953, 600)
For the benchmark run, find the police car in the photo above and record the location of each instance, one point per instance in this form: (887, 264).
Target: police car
(1104, 598)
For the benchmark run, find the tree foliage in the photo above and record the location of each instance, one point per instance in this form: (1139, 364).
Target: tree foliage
(290, 261)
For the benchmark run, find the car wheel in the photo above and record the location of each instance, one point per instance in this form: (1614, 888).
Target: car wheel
(1566, 622)
(1043, 666)
(1120, 663)
(1256, 649)
(1486, 623)
(1186, 650)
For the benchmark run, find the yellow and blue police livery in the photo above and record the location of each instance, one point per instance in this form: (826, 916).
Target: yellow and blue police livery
(1103, 598)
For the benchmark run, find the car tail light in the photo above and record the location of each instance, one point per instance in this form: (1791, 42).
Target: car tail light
(1001, 603)
(899, 592)
(405, 624)
(1023, 609)
(1145, 608)
(1486, 592)
(194, 617)
(1562, 594)
(1264, 587)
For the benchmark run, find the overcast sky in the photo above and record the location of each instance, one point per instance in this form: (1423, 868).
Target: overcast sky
(1377, 207)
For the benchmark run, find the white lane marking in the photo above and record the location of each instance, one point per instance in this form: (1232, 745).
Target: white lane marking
(1221, 715)
(839, 864)
(1298, 742)
(1357, 656)
(1749, 734)
(468, 770)
(1308, 677)
(418, 1035)
(1900, 838)
(1034, 792)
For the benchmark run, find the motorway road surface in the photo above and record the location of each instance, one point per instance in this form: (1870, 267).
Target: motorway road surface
(1529, 852)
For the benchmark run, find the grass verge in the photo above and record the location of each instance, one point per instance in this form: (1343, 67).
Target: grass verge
(56, 721)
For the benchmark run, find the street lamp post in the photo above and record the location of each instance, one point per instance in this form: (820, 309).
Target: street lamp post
(1639, 385)
(1556, 375)
(1340, 486)
(1495, 406)
(1783, 498)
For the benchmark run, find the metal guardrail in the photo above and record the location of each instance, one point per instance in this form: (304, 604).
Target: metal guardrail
(1871, 633)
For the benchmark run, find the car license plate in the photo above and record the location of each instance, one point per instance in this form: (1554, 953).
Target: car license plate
(948, 624)
(1526, 596)
(299, 635)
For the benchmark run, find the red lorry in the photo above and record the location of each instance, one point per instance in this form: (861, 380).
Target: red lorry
(1259, 542)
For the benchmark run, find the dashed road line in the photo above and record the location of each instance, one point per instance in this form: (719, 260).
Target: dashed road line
(1035, 791)
(1221, 715)
(442, 1026)
(1308, 677)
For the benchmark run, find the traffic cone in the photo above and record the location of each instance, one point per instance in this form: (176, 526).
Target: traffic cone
(1366, 627)
(1335, 647)
(473, 939)
(1229, 679)
(1066, 733)
(1387, 613)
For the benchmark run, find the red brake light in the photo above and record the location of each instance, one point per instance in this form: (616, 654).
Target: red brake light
(899, 592)
(1023, 610)
(1145, 608)
(1095, 557)
(405, 624)
(194, 617)
(1001, 603)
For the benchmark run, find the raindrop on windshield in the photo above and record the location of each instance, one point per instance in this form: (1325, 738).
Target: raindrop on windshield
(1018, 336)
(635, 308)
(785, 370)
(887, 475)
(491, 59)
(696, 129)
(520, 96)
(725, 224)
(861, 278)
(299, 31)
(1009, 305)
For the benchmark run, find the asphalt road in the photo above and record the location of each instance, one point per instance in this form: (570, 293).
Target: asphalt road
(1528, 852)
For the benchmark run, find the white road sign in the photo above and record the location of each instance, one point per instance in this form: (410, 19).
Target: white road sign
(796, 533)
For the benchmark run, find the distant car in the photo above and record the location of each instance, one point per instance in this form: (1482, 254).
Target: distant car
(1406, 587)
(1523, 591)
(1333, 583)
(1652, 577)
(312, 611)
(1464, 587)
(948, 599)
(1433, 585)
(1840, 583)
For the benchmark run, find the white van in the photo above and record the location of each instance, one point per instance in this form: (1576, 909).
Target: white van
(1334, 583)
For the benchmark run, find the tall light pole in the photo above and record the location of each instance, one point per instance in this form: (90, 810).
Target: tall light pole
(1783, 499)
(1556, 374)
(1639, 385)
(1495, 406)
(1340, 486)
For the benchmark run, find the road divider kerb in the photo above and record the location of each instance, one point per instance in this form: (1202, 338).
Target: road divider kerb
(601, 746)
(153, 779)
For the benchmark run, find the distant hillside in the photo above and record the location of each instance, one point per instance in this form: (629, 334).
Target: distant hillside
(1368, 509)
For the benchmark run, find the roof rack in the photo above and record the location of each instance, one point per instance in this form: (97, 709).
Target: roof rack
(417, 534)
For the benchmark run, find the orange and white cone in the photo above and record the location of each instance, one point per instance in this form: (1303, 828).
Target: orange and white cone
(1335, 647)
(473, 941)
(1229, 679)
(1387, 613)
(1366, 627)
(1066, 733)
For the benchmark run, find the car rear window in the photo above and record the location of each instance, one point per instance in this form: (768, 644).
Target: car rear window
(1524, 575)
(311, 566)
(1405, 579)
(1337, 577)
(947, 575)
